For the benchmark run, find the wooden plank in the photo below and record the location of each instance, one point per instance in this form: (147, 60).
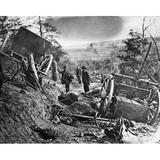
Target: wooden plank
(13, 55)
(17, 57)
(32, 64)
(131, 109)
(134, 79)
(5, 41)
(120, 85)
(90, 117)
(26, 41)
(128, 90)
(49, 65)
(126, 100)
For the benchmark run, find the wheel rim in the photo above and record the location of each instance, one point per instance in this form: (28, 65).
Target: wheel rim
(108, 87)
(46, 63)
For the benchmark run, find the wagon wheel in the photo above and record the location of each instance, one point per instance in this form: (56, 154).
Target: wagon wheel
(106, 95)
(153, 102)
(45, 63)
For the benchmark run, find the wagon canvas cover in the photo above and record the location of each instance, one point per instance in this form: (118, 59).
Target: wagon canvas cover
(26, 42)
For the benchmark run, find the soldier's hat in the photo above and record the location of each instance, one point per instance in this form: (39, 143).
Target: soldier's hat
(83, 67)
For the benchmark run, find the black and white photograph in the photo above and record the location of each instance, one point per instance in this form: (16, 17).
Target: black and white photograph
(80, 79)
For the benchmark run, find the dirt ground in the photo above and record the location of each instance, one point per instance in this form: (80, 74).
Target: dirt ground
(22, 109)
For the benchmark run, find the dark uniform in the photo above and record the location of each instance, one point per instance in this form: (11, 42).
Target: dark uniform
(85, 79)
(78, 74)
(66, 78)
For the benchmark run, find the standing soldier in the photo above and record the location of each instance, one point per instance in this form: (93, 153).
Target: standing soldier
(78, 74)
(85, 79)
(66, 78)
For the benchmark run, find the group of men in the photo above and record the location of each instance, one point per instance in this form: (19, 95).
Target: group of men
(66, 78)
(81, 74)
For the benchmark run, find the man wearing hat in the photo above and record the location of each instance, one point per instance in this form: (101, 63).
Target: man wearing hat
(85, 79)
(78, 74)
(66, 78)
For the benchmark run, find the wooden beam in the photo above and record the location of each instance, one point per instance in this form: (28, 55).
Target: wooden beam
(49, 64)
(134, 79)
(90, 117)
(158, 55)
(17, 57)
(144, 60)
(5, 41)
(149, 76)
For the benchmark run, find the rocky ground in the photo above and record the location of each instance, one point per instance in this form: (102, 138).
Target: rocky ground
(24, 109)
(26, 116)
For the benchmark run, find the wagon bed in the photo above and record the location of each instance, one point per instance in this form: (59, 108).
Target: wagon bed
(132, 102)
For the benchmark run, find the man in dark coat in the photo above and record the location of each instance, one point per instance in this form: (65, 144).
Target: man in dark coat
(85, 79)
(66, 78)
(78, 74)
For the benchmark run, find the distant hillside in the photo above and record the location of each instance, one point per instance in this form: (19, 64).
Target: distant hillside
(95, 50)
(101, 50)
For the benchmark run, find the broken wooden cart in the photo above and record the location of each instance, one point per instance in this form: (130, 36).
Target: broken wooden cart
(133, 98)
(136, 103)
(32, 54)
(130, 97)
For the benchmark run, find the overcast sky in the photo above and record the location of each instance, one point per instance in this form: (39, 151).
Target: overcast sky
(79, 30)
